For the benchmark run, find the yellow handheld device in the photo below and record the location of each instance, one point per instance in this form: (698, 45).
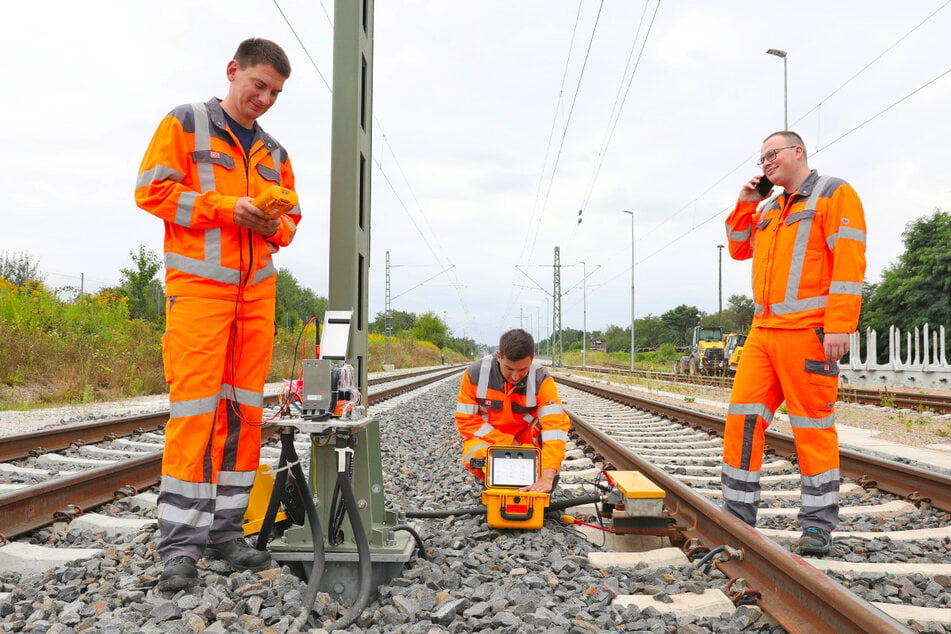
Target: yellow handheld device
(507, 469)
(275, 201)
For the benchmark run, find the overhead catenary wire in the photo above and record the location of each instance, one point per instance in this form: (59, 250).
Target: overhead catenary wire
(725, 209)
(443, 261)
(616, 114)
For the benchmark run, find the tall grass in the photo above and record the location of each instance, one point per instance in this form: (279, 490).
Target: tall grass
(55, 352)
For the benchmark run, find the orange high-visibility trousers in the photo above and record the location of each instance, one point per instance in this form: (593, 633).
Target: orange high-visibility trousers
(783, 365)
(217, 353)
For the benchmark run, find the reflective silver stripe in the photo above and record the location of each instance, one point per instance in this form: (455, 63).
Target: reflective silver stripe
(186, 204)
(740, 475)
(758, 309)
(202, 269)
(201, 490)
(484, 431)
(740, 236)
(194, 407)
(798, 259)
(797, 305)
(226, 502)
(187, 517)
(847, 233)
(467, 408)
(554, 434)
(236, 478)
(264, 273)
(745, 409)
(213, 246)
(484, 371)
(804, 422)
(206, 171)
(744, 497)
(845, 288)
(827, 499)
(242, 396)
(548, 410)
(820, 479)
(531, 385)
(477, 448)
(158, 173)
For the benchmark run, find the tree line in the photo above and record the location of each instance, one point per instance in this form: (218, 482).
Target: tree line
(914, 290)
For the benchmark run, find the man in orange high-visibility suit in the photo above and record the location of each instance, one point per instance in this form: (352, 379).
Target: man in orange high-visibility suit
(204, 165)
(808, 249)
(507, 399)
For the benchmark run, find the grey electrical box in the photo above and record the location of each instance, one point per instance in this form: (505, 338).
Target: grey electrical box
(316, 392)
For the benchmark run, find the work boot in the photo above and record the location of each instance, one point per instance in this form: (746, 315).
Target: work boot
(179, 572)
(239, 554)
(815, 541)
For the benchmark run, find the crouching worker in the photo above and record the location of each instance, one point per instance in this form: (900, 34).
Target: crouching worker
(508, 399)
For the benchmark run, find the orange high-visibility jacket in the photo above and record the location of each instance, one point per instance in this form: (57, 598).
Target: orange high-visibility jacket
(191, 176)
(490, 409)
(808, 253)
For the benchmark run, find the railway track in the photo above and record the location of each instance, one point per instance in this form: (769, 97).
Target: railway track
(920, 400)
(798, 597)
(629, 432)
(99, 464)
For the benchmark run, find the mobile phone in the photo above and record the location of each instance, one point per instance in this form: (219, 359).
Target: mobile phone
(764, 186)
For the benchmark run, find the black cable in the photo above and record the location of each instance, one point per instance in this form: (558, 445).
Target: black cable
(708, 556)
(317, 571)
(363, 554)
(274, 503)
(420, 547)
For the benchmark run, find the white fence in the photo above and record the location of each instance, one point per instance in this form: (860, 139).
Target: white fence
(922, 361)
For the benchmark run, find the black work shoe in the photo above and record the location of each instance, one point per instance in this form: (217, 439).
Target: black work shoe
(815, 541)
(239, 554)
(179, 572)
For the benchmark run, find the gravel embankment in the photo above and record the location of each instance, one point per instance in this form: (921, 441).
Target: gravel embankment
(477, 578)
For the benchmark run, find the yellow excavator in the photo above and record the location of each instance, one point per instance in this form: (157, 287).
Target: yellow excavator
(733, 350)
(706, 353)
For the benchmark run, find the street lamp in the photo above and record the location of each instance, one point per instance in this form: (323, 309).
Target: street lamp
(720, 247)
(632, 287)
(584, 314)
(779, 53)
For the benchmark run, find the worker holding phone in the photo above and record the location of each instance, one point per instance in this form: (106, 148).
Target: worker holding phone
(807, 244)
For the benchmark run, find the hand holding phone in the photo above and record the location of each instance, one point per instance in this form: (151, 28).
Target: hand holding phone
(764, 186)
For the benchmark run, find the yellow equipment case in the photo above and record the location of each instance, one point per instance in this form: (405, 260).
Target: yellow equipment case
(506, 470)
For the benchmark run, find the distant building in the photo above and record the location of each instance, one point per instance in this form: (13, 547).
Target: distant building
(598, 345)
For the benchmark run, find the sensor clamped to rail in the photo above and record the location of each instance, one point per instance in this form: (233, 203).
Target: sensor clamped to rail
(635, 505)
(506, 470)
(275, 201)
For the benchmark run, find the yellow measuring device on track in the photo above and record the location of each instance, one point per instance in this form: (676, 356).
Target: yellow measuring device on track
(506, 470)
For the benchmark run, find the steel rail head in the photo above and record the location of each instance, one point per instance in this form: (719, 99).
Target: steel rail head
(797, 595)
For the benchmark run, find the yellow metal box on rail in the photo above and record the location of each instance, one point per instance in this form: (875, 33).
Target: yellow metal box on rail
(506, 470)
(641, 496)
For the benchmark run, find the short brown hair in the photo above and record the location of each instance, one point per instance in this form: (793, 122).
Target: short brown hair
(516, 345)
(256, 50)
(791, 137)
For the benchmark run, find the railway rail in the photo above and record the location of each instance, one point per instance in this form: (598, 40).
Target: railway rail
(799, 596)
(889, 397)
(32, 507)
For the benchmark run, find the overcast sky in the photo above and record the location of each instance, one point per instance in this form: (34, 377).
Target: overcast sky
(495, 123)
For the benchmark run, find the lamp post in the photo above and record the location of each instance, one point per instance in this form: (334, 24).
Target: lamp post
(584, 314)
(632, 287)
(782, 54)
(720, 285)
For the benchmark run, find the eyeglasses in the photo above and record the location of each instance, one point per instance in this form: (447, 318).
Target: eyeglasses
(770, 156)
